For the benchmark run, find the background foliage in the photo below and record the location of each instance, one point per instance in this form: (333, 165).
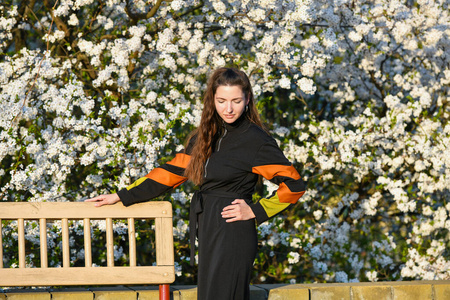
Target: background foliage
(94, 94)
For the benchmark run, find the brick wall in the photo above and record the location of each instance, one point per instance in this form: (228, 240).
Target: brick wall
(399, 290)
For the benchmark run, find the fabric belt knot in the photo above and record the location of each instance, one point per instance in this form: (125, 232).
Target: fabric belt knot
(195, 209)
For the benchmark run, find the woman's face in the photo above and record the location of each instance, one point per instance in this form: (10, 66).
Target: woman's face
(230, 102)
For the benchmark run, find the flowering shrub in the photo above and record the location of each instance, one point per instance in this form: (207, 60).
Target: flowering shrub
(95, 94)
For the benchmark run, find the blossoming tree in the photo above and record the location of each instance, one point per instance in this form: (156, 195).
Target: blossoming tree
(94, 94)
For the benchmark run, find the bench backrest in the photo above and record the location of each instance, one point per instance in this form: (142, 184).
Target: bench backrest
(160, 211)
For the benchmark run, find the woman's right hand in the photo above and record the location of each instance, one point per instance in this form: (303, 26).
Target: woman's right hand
(104, 199)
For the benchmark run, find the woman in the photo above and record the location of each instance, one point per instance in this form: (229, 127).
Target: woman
(224, 157)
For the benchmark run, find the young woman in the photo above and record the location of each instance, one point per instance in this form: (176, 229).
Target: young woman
(224, 157)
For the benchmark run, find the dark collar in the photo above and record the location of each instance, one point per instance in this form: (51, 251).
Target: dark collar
(236, 124)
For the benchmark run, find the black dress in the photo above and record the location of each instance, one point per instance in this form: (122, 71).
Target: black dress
(242, 152)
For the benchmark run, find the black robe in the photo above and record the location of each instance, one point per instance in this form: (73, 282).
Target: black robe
(242, 152)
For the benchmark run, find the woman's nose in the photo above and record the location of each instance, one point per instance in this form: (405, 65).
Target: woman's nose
(229, 107)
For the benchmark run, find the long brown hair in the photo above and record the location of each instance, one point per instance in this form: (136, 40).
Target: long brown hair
(211, 122)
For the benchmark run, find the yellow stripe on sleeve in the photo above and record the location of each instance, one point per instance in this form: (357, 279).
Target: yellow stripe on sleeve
(272, 205)
(136, 183)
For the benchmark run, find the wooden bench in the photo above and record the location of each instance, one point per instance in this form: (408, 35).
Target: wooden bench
(163, 273)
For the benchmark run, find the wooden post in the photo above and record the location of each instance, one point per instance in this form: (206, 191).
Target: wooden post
(1, 245)
(65, 242)
(87, 243)
(21, 237)
(132, 241)
(109, 243)
(164, 241)
(43, 242)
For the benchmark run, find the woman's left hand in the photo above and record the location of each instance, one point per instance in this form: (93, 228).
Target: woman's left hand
(239, 210)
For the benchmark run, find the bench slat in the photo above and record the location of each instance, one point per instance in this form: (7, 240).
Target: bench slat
(87, 276)
(80, 210)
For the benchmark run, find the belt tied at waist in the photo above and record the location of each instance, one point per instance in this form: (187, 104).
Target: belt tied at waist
(197, 208)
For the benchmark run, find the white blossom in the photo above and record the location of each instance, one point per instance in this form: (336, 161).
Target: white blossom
(307, 85)
(73, 20)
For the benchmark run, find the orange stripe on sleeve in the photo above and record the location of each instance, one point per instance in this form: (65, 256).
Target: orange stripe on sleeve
(270, 171)
(286, 196)
(165, 177)
(180, 160)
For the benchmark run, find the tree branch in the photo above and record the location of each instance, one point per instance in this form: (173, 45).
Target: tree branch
(135, 17)
(189, 11)
(85, 60)
(59, 23)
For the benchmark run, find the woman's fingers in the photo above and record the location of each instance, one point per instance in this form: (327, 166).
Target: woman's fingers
(104, 199)
(99, 201)
(239, 210)
(233, 205)
(98, 198)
